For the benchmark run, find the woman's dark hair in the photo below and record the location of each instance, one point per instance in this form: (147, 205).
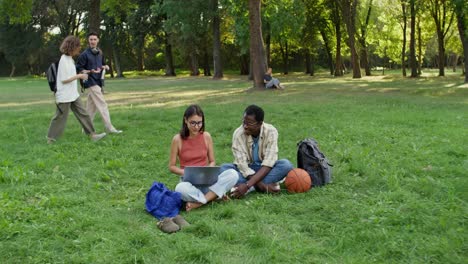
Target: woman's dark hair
(70, 44)
(190, 111)
(255, 111)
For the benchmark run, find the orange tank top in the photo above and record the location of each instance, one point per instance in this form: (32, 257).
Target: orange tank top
(193, 152)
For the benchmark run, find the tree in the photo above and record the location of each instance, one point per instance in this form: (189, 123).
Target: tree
(349, 10)
(461, 11)
(336, 21)
(362, 38)
(217, 63)
(285, 20)
(142, 22)
(385, 36)
(18, 43)
(94, 16)
(158, 11)
(443, 17)
(314, 23)
(404, 5)
(237, 31)
(188, 24)
(412, 58)
(70, 15)
(257, 52)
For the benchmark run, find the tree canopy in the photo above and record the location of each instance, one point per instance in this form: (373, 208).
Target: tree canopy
(341, 36)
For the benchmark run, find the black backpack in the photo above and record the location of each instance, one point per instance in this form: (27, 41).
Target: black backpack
(312, 160)
(51, 74)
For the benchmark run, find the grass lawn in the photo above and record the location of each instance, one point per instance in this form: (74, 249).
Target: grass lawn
(399, 195)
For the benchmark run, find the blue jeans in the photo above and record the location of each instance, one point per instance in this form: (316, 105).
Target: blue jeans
(276, 174)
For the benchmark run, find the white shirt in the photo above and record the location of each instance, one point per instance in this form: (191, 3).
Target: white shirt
(66, 92)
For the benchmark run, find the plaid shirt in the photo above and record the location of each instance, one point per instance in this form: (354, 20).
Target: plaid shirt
(242, 148)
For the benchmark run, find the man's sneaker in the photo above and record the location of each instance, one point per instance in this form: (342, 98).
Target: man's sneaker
(180, 221)
(115, 131)
(50, 141)
(97, 137)
(168, 226)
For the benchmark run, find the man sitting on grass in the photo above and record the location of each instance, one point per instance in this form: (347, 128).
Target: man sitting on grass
(255, 149)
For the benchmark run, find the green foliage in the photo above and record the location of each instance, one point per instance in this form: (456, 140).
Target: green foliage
(188, 21)
(398, 196)
(15, 12)
(238, 18)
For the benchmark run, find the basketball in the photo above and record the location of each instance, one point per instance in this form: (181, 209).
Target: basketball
(297, 181)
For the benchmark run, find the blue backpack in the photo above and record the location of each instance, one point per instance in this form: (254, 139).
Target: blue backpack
(312, 160)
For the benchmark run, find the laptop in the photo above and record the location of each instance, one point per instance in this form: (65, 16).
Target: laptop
(200, 175)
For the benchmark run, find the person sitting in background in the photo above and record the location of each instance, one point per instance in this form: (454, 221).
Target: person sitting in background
(193, 146)
(270, 82)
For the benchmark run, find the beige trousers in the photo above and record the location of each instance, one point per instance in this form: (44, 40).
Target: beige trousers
(58, 122)
(96, 102)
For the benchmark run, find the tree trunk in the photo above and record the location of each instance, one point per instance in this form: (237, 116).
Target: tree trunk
(308, 70)
(244, 64)
(268, 43)
(13, 69)
(194, 71)
(364, 61)
(403, 48)
(111, 63)
(362, 40)
(217, 63)
(349, 8)
(443, 16)
(312, 65)
(462, 29)
(412, 58)
(140, 52)
(285, 54)
(419, 49)
(116, 54)
(327, 50)
(257, 52)
(170, 70)
(94, 16)
(454, 62)
(338, 59)
(206, 64)
(441, 49)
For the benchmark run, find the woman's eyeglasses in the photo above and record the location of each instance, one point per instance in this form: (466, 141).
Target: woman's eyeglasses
(195, 123)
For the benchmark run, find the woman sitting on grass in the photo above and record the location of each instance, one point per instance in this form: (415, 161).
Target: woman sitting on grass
(67, 95)
(193, 146)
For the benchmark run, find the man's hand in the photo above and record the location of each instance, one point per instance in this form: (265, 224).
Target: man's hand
(240, 191)
(105, 67)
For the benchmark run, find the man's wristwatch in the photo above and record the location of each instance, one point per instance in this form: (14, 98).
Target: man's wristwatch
(248, 185)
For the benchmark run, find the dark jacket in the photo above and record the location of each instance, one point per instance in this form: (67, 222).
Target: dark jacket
(89, 61)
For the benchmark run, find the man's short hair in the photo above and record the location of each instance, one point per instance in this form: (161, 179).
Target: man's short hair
(92, 34)
(256, 111)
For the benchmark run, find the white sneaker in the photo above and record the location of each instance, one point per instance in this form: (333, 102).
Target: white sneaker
(97, 137)
(251, 189)
(115, 131)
